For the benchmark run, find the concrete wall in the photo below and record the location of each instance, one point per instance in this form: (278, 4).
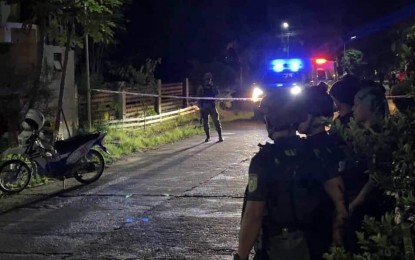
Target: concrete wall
(70, 94)
(18, 60)
(9, 13)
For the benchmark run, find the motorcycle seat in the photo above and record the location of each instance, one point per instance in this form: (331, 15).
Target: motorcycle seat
(72, 143)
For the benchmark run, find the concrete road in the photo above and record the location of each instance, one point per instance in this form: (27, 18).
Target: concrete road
(181, 201)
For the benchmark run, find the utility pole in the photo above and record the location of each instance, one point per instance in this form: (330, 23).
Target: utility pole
(88, 85)
(285, 28)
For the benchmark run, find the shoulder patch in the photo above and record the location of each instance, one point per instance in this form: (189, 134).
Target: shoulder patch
(252, 182)
(290, 152)
(276, 161)
(342, 166)
(317, 153)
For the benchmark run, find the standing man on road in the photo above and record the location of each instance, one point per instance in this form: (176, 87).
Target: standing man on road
(208, 107)
(286, 183)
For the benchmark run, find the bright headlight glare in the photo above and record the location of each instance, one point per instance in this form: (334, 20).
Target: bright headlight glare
(257, 94)
(296, 90)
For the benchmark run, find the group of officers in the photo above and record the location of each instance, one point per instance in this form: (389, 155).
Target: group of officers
(303, 196)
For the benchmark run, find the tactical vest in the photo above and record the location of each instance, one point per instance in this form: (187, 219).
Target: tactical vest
(208, 92)
(295, 185)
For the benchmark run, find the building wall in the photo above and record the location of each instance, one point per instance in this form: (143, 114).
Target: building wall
(18, 53)
(9, 13)
(70, 95)
(18, 61)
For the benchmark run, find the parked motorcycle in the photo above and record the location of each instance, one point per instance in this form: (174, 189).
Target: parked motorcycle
(73, 157)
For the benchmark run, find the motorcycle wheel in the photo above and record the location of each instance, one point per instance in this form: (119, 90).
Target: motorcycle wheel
(15, 175)
(93, 165)
(32, 165)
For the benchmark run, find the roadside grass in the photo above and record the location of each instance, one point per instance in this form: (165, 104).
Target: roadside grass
(121, 142)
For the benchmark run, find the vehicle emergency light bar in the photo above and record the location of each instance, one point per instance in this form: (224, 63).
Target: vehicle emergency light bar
(320, 61)
(293, 65)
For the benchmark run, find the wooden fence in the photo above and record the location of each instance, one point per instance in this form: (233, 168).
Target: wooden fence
(149, 120)
(108, 106)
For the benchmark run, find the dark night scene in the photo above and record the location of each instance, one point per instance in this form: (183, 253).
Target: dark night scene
(207, 129)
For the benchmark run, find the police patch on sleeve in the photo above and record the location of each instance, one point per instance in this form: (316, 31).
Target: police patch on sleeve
(252, 182)
(342, 166)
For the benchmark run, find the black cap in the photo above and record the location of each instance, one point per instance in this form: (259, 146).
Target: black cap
(318, 102)
(345, 89)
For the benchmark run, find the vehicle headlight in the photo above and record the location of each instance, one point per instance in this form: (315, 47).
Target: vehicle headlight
(296, 90)
(257, 94)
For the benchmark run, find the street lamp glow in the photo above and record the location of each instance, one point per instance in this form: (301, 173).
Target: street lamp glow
(353, 37)
(285, 25)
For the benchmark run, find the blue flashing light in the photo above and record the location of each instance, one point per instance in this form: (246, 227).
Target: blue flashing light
(278, 65)
(293, 65)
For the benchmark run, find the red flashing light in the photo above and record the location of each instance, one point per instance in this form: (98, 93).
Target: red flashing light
(321, 61)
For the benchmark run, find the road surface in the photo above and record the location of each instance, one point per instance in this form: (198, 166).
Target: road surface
(181, 201)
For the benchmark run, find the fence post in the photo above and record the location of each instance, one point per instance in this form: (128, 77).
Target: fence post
(186, 92)
(122, 106)
(158, 103)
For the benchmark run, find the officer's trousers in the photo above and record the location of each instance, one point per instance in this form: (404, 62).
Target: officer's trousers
(205, 112)
(292, 246)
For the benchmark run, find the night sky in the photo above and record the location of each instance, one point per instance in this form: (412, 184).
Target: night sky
(182, 30)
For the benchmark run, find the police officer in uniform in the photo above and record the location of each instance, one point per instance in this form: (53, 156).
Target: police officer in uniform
(286, 183)
(369, 110)
(342, 93)
(208, 107)
(329, 218)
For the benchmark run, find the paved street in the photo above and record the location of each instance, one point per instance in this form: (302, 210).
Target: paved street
(181, 201)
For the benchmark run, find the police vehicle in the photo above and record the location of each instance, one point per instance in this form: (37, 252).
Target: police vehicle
(294, 73)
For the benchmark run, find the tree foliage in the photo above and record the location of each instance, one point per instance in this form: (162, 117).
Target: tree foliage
(139, 79)
(71, 21)
(405, 49)
(66, 22)
(392, 165)
(92, 17)
(353, 61)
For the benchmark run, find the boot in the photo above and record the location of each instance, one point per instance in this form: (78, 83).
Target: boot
(207, 135)
(220, 135)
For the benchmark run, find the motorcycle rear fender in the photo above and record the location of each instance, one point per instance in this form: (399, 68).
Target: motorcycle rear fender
(100, 144)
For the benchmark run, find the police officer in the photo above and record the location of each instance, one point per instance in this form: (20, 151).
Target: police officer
(342, 93)
(361, 194)
(285, 185)
(370, 109)
(208, 107)
(324, 231)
